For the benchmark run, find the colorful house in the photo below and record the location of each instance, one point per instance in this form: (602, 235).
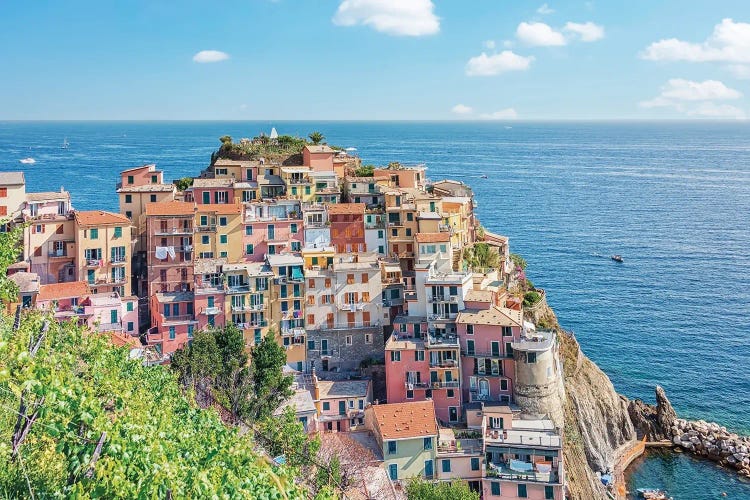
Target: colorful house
(348, 227)
(341, 403)
(104, 251)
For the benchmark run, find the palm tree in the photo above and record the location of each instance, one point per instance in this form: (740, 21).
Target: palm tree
(482, 257)
(316, 137)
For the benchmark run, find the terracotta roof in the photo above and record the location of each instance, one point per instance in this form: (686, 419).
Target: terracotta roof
(224, 209)
(149, 166)
(433, 237)
(346, 208)
(170, 208)
(48, 196)
(12, 178)
(147, 188)
(212, 182)
(406, 420)
(99, 217)
(63, 290)
(492, 316)
(478, 296)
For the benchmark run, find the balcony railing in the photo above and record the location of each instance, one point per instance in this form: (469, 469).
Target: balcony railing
(441, 340)
(444, 384)
(206, 229)
(118, 259)
(182, 318)
(444, 363)
(296, 331)
(173, 230)
(212, 311)
(93, 262)
(347, 326)
(58, 254)
(238, 288)
(502, 471)
(483, 353)
(110, 327)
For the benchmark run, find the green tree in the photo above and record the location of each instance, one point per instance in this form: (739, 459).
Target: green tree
(482, 257)
(225, 139)
(364, 171)
(157, 441)
(10, 248)
(184, 183)
(316, 137)
(285, 435)
(419, 489)
(270, 385)
(199, 363)
(518, 261)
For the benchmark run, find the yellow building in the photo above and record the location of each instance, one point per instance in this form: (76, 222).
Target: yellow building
(103, 251)
(288, 305)
(218, 232)
(248, 298)
(299, 185)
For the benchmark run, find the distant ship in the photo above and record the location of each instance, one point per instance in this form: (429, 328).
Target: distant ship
(28, 161)
(65, 144)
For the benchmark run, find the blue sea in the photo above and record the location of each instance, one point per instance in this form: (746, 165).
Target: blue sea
(672, 198)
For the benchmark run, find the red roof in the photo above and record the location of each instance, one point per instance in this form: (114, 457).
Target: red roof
(99, 217)
(170, 208)
(406, 420)
(432, 237)
(63, 290)
(224, 209)
(346, 208)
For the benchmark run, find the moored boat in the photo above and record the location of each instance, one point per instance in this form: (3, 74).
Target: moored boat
(28, 161)
(617, 258)
(653, 494)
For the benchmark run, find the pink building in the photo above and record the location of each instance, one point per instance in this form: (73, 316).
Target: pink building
(172, 322)
(341, 403)
(272, 227)
(419, 368)
(169, 248)
(485, 332)
(219, 191)
(210, 293)
(319, 158)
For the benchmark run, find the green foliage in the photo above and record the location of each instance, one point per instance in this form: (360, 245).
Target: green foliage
(157, 440)
(226, 139)
(184, 183)
(419, 489)
(329, 477)
(10, 248)
(481, 257)
(316, 137)
(364, 171)
(270, 385)
(394, 165)
(518, 261)
(530, 298)
(285, 435)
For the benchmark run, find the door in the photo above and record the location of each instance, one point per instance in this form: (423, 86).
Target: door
(342, 407)
(271, 232)
(484, 388)
(206, 198)
(496, 348)
(210, 301)
(428, 472)
(324, 347)
(452, 414)
(113, 316)
(470, 347)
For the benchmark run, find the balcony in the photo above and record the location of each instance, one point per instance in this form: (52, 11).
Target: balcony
(209, 289)
(352, 306)
(503, 471)
(441, 340)
(483, 353)
(296, 332)
(211, 228)
(522, 437)
(444, 384)
(183, 318)
(417, 385)
(93, 263)
(248, 307)
(444, 363)
(119, 260)
(240, 288)
(212, 311)
(110, 327)
(461, 447)
(59, 254)
(356, 325)
(173, 230)
(535, 342)
(442, 316)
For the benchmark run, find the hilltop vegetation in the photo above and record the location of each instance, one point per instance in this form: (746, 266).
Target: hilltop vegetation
(263, 146)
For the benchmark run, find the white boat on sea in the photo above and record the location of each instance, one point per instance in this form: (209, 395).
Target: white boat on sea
(28, 161)
(65, 144)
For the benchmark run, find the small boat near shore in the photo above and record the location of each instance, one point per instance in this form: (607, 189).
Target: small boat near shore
(28, 161)
(617, 258)
(653, 494)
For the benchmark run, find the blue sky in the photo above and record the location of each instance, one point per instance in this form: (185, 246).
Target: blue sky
(374, 59)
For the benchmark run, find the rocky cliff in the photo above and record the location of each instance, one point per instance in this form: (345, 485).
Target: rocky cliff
(597, 423)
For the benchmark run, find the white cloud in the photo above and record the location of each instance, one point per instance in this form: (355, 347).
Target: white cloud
(461, 109)
(545, 10)
(489, 44)
(210, 56)
(712, 110)
(729, 42)
(503, 114)
(539, 34)
(587, 32)
(393, 17)
(507, 60)
(696, 98)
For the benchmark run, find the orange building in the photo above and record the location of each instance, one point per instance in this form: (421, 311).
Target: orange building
(347, 227)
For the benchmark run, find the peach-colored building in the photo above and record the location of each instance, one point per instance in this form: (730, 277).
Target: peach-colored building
(402, 177)
(12, 194)
(459, 458)
(172, 321)
(318, 157)
(210, 293)
(103, 251)
(169, 247)
(341, 403)
(49, 237)
(271, 228)
(347, 227)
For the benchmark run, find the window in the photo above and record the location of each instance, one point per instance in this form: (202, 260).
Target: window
(503, 385)
(446, 463)
(409, 216)
(408, 232)
(171, 333)
(451, 393)
(310, 345)
(222, 221)
(507, 331)
(427, 445)
(521, 491)
(409, 394)
(469, 329)
(94, 234)
(249, 230)
(368, 338)
(474, 463)
(361, 404)
(395, 355)
(129, 306)
(118, 232)
(223, 239)
(293, 228)
(348, 340)
(418, 355)
(394, 232)
(249, 249)
(130, 179)
(549, 492)
(380, 234)
(128, 198)
(392, 448)
(470, 347)
(531, 357)
(129, 214)
(365, 278)
(326, 405)
(205, 239)
(130, 326)
(154, 179)
(152, 198)
(191, 329)
(495, 488)
(223, 254)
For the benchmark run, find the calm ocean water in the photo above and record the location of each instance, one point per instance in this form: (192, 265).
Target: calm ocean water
(672, 198)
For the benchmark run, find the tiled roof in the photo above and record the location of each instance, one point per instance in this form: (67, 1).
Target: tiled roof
(478, 296)
(212, 183)
(98, 217)
(12, 178)
(333, 389)
(406, 420)
(150, 166)
(221, 208)
(27, 282)
(346, 208)
(432, 237)
(492, 316)
(63, 290)
(147, 188)
(170, 208)
(48, 196)
(322, 148)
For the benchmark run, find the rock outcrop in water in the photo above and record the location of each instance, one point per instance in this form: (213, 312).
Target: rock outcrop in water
(654, 422)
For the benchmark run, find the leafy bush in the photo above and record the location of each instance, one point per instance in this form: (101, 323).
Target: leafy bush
(518, 261)
(419, 489)
(531, 298)
(364, 171)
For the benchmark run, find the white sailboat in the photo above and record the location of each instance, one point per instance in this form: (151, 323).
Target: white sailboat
(28, 161)
(65, 144)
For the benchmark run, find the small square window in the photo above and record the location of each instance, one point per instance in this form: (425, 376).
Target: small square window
(205, 239)
(152, 198)
(392, 447)
(128, 198)
(248, 230)
(427, 444)
(222, 221)
(326, 405)
(223, 239)
(495, 488)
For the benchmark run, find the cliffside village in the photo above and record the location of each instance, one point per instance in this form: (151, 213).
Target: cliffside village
(391, 338)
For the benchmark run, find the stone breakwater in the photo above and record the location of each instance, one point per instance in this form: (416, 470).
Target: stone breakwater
(712, 441)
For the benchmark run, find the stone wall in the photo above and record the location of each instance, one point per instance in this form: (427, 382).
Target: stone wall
(343, 357)
(712, 441)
